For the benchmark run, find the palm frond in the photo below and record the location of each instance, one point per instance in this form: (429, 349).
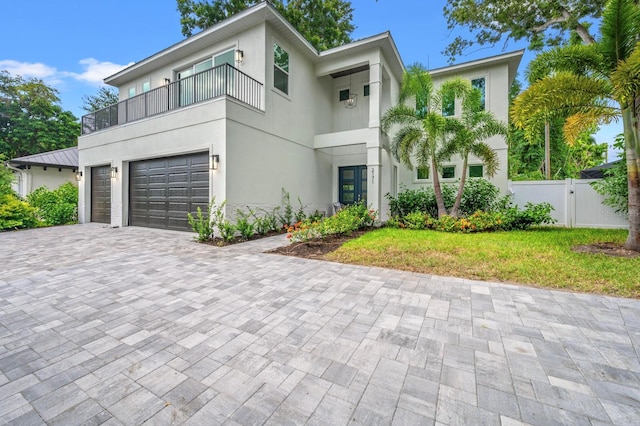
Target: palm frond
(488, 156)
(578, 59)
(580, 122)
(620, 28)
(626, 78)
(404, 143)
(400, 114)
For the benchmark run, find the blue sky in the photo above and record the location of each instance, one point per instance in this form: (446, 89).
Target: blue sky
(73, 44)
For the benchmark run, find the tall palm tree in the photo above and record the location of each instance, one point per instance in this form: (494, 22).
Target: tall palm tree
(422, 130)
(469, 132)
(595, 84)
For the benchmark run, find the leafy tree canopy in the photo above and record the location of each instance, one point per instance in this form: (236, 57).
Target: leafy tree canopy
(324, 23)
(31, 119)
(540, 22)
(105, 97)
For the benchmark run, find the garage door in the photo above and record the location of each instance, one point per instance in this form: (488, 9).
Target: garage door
(163, 190)
(101, 194)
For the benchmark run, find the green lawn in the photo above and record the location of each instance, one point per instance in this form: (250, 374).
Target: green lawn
(540, 257)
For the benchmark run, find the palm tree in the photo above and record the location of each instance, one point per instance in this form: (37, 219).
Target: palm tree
(422, 130)
(469, 132)
(595, 84)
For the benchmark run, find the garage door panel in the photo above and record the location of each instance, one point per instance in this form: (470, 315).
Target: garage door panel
(101, 194)
(164, 190)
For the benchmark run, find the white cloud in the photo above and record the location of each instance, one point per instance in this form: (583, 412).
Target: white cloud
(95, 71)
(26, 69)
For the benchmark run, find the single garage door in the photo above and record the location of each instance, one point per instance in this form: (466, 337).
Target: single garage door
(101, 194)
(163, 190)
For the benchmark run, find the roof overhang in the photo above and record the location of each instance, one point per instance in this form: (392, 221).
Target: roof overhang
(262, 12)
(511, 59)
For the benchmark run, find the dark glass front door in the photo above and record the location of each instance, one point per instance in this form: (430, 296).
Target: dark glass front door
(352, 184)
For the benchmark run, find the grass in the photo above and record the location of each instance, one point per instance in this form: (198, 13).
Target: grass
(541, 257)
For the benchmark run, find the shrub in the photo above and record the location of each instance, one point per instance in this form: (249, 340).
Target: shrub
(416, 220)
(286, 218)
(202, 224)
(16, 214)
(227, 230)
(344, 222)
(478, 194)
(244, 225)
(57, 207)
(533, 214)
(6, 178)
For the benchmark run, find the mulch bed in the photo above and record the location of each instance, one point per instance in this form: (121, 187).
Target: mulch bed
(219, 242)
(316, 249)
(610, 249)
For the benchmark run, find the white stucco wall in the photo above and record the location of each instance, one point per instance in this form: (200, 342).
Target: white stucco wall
(28, 180)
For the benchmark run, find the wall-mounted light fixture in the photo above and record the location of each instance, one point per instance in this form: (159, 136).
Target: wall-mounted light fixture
(239, 56)
(214, 162)
(114, 172)
(78, 176)
(167, 81)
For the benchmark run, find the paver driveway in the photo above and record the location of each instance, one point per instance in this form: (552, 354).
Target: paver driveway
(127, 326)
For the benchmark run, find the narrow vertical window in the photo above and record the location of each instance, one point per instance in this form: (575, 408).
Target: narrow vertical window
(366, 90)
(479, 83)
(280, 69)
(132, 92)
(448, 104)
(146, 86)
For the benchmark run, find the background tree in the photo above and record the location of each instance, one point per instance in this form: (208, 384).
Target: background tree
(324, 23)
(540, 22)
(526, 153)
(105, 97)
(31, 119)
(595, 84)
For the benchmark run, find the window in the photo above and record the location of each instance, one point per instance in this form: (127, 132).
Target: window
(422, 173)
(476, 171)
(366, 90)
(344, 95)
(448, 172)
(146, 86)
(479, 83)
(448, 104)
(280, 69)
(132, 92)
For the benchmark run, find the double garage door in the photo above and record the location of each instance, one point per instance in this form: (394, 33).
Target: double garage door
(162, 191)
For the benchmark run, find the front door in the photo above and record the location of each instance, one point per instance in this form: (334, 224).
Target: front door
(352, 181)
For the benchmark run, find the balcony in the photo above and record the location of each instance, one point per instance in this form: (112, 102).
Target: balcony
(223, 80)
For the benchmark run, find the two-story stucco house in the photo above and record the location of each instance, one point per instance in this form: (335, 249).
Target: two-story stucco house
(244, 109)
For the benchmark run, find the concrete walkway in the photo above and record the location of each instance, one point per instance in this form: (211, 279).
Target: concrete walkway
(132, 326)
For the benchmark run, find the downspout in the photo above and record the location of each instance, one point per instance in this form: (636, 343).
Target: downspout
(20, 171)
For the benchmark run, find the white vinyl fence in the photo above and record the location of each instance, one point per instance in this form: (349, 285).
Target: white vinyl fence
(575, 202)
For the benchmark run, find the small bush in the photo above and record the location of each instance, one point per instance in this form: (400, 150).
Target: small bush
(478, 194)
(227, 230)
(57, 207)
(202, 224)
(344, 222)
(286, 218)
(416, 220)
(16, 214)
(244, 225)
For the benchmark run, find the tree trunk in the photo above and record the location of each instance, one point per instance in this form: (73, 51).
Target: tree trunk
(456, 204)
(547, 150)
(631, 124)
(437, 189)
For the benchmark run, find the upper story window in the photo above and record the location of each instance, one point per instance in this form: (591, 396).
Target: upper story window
(448, 104)
(132, 91)
(344, 95)
(480, 84)
(280, 69)
(146, 86)
(367, 90)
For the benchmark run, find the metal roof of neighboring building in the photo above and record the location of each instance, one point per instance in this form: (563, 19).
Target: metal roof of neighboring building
(66, 158)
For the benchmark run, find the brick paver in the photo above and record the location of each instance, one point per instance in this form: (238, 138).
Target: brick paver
(127, 326)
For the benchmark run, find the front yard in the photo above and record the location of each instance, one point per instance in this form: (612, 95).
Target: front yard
(540, 257)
